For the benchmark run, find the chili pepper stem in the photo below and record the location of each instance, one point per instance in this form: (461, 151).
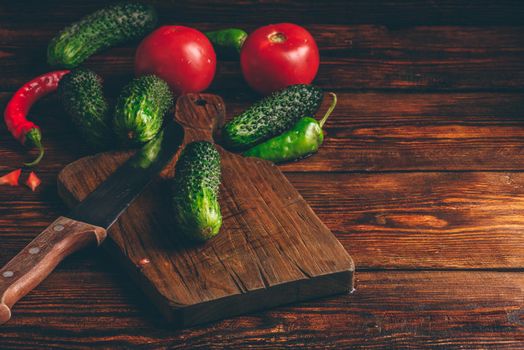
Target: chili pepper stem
(330, 109)
(39, 158)
(34, 137)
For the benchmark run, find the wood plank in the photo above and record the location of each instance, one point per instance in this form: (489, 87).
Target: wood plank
(422, 220)
(357, 73)
(332, 40)
(407, 310)
(389, 12)
(353, 57)
(367, 132)
(385, 221)
(503, 72)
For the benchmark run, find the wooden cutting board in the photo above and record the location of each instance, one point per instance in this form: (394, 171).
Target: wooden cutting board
(272, 249)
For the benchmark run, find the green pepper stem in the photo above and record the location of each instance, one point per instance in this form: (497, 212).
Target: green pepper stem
(35, 138)
(330, 109)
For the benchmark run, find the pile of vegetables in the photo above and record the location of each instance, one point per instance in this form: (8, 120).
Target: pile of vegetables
(279, 61)
(301, 140)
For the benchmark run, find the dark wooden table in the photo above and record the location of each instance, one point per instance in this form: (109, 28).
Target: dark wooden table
(420, 178)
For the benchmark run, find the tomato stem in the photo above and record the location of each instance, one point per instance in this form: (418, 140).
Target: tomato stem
(330, 109)
(277, 37)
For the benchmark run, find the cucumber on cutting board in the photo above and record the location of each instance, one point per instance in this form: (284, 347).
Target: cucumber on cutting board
(102, 29)
(271, 116)
(82, 98)
(195, 191)
(140, 109)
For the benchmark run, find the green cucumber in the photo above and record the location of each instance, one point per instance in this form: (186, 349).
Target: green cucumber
(102, 29)
(83, 100)
(271, 116)
(227, 42)
(148, 153)
(195, 191)
(140, 109)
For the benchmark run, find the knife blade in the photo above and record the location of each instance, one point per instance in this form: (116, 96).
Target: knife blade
(88, 222)
(105, 204)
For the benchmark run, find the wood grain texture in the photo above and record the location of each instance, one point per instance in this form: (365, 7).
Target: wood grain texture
(368, 131)
(389, 309)
(505, 72)
(333, 40)
(354, 57)
(33, 264)
(420, 220)
(461, 114)
(272, 248)
(389, 12)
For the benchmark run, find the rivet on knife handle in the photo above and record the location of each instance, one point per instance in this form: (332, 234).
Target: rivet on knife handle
(35, 262)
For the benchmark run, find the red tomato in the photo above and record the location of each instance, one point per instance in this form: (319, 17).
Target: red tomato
(279, 55)
(182, 56)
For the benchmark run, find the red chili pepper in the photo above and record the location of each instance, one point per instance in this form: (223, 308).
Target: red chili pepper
(33, 181)
(11, 178)
(25, 131)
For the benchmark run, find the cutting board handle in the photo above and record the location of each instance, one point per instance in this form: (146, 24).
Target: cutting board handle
(36, 261)
(203, 116)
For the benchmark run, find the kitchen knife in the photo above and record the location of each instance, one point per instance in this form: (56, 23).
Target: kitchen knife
(88, 222)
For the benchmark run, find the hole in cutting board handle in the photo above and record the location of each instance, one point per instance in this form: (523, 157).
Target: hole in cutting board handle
(200, 115)
(200, 102)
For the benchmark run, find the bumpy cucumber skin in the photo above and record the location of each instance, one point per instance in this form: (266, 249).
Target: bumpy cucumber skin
(82, 98)
(106, 27)
(195, 191)
(140, 109)
(271, 116)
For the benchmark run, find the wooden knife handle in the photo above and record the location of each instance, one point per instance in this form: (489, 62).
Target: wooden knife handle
(36, 261)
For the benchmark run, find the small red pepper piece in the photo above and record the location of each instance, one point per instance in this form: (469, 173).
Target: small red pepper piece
(33, 181)
(11, 178)
(15, 115)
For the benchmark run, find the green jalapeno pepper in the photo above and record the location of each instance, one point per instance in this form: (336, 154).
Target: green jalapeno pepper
(302, 140)
(227, 42)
